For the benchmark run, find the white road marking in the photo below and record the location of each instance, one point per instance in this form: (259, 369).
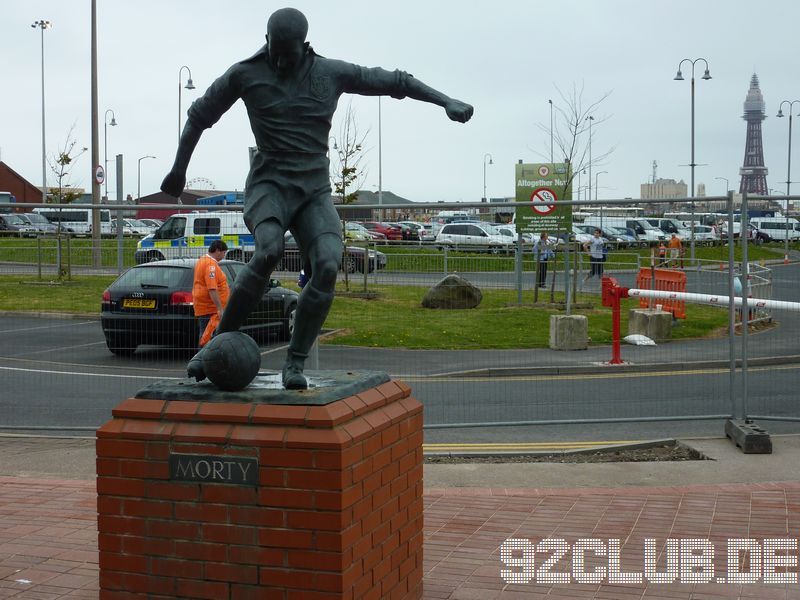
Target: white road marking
(70, 324)
(58, 349)
(86, 374)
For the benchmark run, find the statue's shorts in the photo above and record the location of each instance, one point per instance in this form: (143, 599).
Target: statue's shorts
(292, 188)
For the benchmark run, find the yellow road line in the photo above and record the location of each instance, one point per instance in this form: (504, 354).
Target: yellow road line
(522, 447)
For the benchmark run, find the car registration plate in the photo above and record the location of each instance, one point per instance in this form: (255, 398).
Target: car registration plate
(138, 303)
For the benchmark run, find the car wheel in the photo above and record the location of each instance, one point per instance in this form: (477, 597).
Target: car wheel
(235, 255)
(288, 322)
(121, 346)
(494, 249)
(153, 257)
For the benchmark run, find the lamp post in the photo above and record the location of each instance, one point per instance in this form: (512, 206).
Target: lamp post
(596, 175)
(727, 184)
(380, 175)
(189, 86)
(106, 123)
(484, 173)
(788, 171)
(551, 131)
(139, 177)
(42, 24)
(590, 118)
(679, 77)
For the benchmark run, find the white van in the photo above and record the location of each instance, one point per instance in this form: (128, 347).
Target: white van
(640, 226)
(670, 226)
(775, 227)
(188, 235)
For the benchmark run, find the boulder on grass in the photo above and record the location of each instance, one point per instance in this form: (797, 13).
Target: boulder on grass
(452, 292)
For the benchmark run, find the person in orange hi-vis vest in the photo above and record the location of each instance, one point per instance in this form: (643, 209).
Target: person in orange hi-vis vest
(675, 248)
(210, 290)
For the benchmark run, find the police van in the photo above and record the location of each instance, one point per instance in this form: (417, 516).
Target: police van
(189, 235)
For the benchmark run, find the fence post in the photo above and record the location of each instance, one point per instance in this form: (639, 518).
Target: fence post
(39, 256)
(518, 267)
(69, 257)
(445, 260)
(743, 235)
(365, 264)
(732, 312)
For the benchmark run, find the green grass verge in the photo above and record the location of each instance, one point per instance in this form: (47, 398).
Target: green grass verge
(74, 251)
(395, 319)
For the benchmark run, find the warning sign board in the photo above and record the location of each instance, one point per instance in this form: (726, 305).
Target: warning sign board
(539, 187)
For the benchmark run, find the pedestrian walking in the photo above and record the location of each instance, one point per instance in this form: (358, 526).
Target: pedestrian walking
(596, 249)
(675, 248)
(542, 253)
(209, 291)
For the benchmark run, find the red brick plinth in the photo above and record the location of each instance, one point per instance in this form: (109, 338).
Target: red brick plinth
(336, 511)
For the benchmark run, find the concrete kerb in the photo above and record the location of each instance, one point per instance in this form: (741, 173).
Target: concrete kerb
(597, 367)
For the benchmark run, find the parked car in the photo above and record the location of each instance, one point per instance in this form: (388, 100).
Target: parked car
(356, 232)
(408, 233)
(132, 227)
(154, 223)
(418, 229)
(352, 260)
(391, 233)
(704, 234)
(13, 224)
(620, 235)
(510, 231)
(39, 222)
(152, 304)
(473, 236)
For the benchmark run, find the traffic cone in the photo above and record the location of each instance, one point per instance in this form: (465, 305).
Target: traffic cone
(786, 259)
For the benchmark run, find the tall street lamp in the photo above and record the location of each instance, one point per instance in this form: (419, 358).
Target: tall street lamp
(189, 86)
(42, 24)
(139, 178)
(788, 170)
(380, 174)
(590, 118)
(596, 175)
(551, 131)
(679, 77)
(484, 173)
(727, 184)
(106, 123)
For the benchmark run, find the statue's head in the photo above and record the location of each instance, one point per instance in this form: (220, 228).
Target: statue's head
(286, 39)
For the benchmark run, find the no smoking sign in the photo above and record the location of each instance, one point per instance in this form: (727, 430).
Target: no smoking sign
(542, 201)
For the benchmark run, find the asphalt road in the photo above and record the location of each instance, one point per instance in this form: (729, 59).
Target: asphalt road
(57, 376)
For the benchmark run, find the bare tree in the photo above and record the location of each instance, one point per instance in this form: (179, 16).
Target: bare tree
(571, 132)
(62, 164)
(348, 171)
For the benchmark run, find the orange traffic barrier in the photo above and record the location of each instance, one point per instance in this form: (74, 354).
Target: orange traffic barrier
(667, 280)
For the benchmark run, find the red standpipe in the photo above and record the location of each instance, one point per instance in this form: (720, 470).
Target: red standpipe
(612, 294)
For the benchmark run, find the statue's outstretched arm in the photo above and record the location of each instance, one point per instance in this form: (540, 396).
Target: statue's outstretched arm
(175, 180)
(456, 109)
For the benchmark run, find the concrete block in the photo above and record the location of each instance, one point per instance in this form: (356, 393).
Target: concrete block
(748, 436)
(569, 332)
(655, 324)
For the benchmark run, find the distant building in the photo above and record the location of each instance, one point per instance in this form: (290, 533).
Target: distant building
(664, 188)
(19, 187)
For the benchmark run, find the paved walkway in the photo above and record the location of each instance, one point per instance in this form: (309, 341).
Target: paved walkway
(48, 537)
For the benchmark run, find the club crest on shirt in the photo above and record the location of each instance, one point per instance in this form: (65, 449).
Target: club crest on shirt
(320, 86)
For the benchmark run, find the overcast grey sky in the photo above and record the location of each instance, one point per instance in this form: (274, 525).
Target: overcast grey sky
(506, 58)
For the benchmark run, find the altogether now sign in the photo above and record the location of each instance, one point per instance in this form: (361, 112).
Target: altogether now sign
(538, 187)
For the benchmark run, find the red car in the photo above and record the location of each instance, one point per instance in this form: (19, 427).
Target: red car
(392, 233)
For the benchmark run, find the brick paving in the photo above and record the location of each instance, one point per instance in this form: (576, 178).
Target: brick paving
(48, 537)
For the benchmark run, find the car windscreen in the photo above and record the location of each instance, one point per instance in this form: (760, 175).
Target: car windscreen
(152, 276)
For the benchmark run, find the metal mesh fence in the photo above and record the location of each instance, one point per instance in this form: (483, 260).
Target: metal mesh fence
(488, 365)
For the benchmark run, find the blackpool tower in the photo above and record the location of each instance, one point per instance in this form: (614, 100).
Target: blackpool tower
(753, 171)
